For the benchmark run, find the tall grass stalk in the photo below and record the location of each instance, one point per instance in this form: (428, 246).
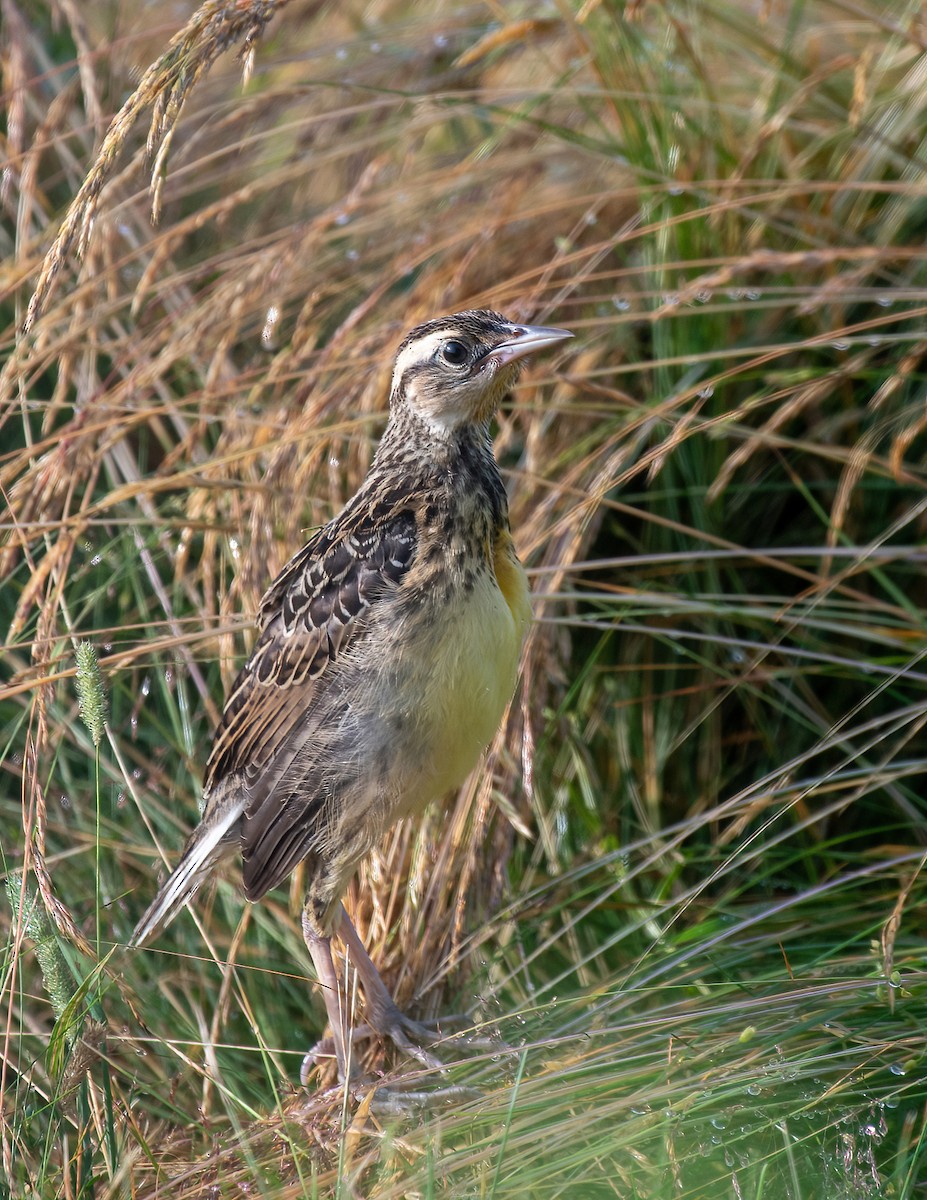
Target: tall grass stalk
(685, 893)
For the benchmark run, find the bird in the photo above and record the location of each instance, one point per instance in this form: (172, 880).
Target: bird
(387, 652)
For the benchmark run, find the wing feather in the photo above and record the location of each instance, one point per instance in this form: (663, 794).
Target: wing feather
(315, 611)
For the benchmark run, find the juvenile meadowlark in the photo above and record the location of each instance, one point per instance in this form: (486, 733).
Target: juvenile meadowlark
(388, 650)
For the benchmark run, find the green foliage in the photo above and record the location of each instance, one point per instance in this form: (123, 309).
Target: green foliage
(688, 892)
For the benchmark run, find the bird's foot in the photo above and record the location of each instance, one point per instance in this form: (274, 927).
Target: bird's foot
(413, 1038)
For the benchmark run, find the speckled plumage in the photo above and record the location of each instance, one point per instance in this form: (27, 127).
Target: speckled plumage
(388, 645)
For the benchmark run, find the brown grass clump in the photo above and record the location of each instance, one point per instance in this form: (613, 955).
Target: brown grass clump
(213, 240)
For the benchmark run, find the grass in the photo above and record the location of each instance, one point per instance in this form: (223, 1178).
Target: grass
(688, 886)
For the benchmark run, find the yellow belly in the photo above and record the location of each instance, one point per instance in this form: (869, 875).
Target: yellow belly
(473, 666)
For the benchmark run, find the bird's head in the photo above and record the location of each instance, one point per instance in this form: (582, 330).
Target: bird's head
(454, 371)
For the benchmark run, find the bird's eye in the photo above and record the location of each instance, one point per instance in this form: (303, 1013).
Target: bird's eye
(455, 353)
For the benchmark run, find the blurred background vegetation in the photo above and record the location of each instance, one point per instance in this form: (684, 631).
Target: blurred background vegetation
(687, 887)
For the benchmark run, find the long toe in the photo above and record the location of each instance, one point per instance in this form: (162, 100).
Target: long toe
(411, 1037)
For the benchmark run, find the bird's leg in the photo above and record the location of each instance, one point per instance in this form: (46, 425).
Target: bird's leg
(383, 1016)
(320, 950)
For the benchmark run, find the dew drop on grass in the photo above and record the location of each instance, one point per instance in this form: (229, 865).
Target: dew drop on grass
(884, 301)
(621, 303)
(719, 1122)
(898, 1068)
(146, 685)
(840, 344)
(706, 392)
(268, 341)
(754, 1089)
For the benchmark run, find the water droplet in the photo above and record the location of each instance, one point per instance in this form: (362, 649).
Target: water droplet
(620, 303)
(874, 340)
(898, 1068)
(146, 685)
(342, 218)
(753, 294)
(675, 189)
(441, 40)
(670, 299)
(706, 392)
(719, 1122)
(884, 301)
(96, 560)
(352, 255)
(270, 324)
(841, 344)
(754, 1089)
(703, 296)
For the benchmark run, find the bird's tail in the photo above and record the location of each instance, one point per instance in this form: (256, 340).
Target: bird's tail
(208, 843)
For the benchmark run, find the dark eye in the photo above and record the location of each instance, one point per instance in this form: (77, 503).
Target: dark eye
(455, 353)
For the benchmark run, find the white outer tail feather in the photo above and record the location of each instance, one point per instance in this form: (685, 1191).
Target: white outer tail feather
(207, 846)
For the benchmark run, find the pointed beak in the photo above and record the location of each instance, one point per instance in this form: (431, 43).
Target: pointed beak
(524, 340)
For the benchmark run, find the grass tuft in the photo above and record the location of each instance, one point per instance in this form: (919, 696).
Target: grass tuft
(686, 891)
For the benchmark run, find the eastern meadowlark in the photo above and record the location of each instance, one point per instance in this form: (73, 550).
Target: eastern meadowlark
(388, 650)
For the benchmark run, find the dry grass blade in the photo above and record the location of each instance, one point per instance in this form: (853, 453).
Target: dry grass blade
(214, 28)
(686, 888)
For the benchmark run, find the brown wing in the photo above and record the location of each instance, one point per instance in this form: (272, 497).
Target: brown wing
(315, 610)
